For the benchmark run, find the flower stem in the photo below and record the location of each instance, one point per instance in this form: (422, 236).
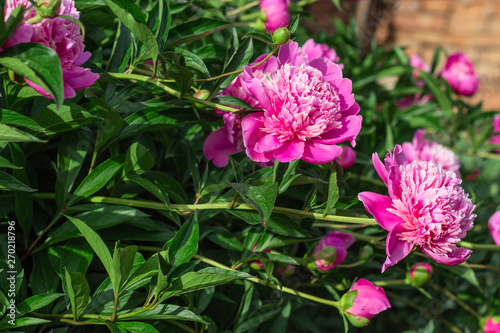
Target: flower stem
(475, 246)
(242, 8)
(269, 284)
(455, 299)
(388, 283)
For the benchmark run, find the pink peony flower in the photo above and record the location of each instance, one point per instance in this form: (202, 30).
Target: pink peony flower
(308, 108)
(332, 250)
(460, 74)
(492, 325)
(315, 50)
(276, 12)
(363, 302)
(494, 226)
(347, 158)
(418, 63)
(420, 274)
(496, 129)
(228, 139)
(426, 209)
(417, 99)
(61, 35)
(423, 150)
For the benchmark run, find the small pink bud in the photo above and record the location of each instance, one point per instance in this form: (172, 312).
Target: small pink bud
(363, 302)
(420, 274)
(494, 226)
(460, 74)
(332, 250)
(492, 325)
(347, 158)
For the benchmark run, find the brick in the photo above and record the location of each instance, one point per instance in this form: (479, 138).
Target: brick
(435, 23)
(436, 5)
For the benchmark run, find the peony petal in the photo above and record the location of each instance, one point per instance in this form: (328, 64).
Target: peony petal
(254, 87)
(377, 205)
(292, 54)
(380, 168)
(290, 151)
(217, 147)
(318, 153)
(457, 256)
(395, 249)
(330, 70)
(250, 126)
(268, 143)
(350, 129)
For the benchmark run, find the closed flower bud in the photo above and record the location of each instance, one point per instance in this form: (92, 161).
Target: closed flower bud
(419, 274)
(363, 302)
(281, 36)
(492, 325)
(203, 95)
(332, 250)
(494, 226)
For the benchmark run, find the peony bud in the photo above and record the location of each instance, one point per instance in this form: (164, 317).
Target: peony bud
(202, 94)
(420, 274)
(347, 158)
(460, 74)
(363, 302)
(494, 226)
(492, 325)
(281, 36)
(332, 250)
(276, 13)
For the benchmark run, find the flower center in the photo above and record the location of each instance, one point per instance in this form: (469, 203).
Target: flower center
(304, 105)
(436, 212)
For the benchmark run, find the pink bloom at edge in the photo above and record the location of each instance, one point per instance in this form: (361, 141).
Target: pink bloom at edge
(337, 240)
(491, 326)
(494, 226)
(276, 12)
(496, 129)
(64, 37)
(369, 301)
(426, 209)
(346, 160)
(423, 150)
(315, 50)
(308, 108)
(460, 74)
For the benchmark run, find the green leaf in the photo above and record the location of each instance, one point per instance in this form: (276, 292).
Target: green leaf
(295, 23)
(202, 279)
(132, 9)
(145, 271)
(193, 30)
(177, 70)
(71, 153)
(435, 87)
(123, 260)
(99, 177)
(114, 328)
(168, 312)
(69, 117)
(193, 61)
(39, 64)
(391, 71)
(37, 302)
(7, 182)
(122, 50)
(22, 322)
(286, 226)
(17, 119)
(333, 194)
(74, 256)
(175, 190)
(184, 245)
(162, 18)
(137, 327)
(152, 188)
(138, 160)
(140, 30)
(266, 38)
(78, 291)
(238, 61)
(231, 101)
(43, 279)
(5, 163)
(11, 134)
(260, 197)
(99, 248)
(465, 273)
(111, 122)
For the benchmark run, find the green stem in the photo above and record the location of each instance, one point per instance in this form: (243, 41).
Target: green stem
(54, 220)
(270, 285)
(182, 326)
(456, 299)
(242, 8)
(388, 283)
(474, 246)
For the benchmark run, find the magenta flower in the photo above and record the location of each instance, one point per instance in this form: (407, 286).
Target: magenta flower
(420, 274)
(418, 63)
(496, 129)
(276, 12)
(494, 226)
(228, 140)
(460, 74)
(61, 35)
(363, 302)
(315, 50)
(347, 158)
(426, 209)
(308, 108)
(491, 325)
(332, 250)
(423, 150)
(417, 99)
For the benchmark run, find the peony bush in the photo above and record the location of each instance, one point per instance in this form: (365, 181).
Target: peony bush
(213, 166)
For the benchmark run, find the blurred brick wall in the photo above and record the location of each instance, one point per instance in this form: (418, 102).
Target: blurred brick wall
(469, 26)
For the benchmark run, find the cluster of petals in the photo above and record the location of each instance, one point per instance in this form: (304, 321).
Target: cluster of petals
(423, 150)
(61, 35)
(338, 242)
(460, 74)
(369, 301)
(426, 209)
(496, 129)
(307, 108)
(276, 13)
(317, 50)
(494, 226)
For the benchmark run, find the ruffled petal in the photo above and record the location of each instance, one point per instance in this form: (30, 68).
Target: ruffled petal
(217, 147)
(250, 126)
(395, 249)
(290, 151)
(349, 130)
(292, 54)
(377, 205)
(268, 143)
(330, 70)
(318, 153)
(457, 256)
